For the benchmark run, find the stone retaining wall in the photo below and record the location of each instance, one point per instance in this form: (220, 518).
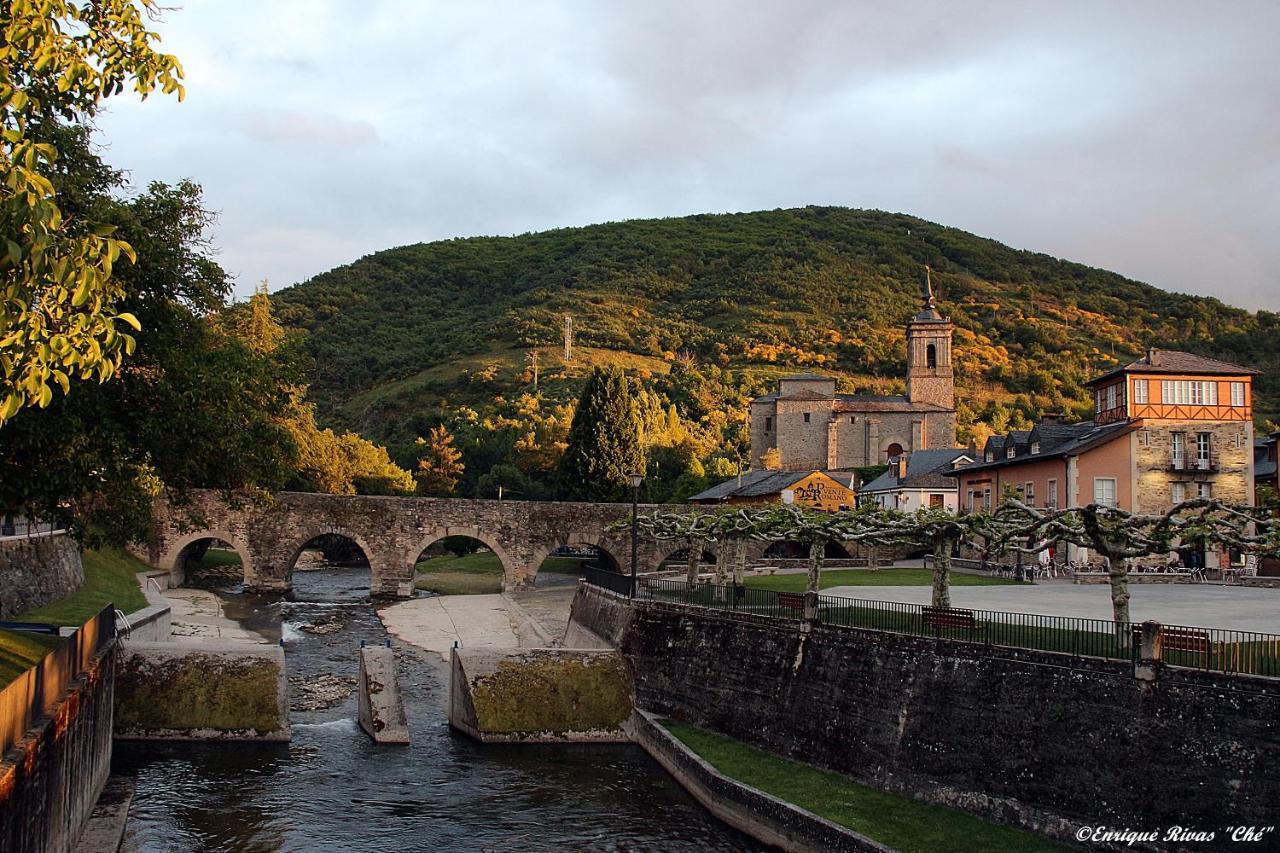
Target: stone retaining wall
(1044, 741)
(37, 570)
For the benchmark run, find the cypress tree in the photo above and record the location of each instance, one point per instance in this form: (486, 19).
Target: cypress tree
(604, 445)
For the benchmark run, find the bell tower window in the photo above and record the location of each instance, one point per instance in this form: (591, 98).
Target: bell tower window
(931, 356)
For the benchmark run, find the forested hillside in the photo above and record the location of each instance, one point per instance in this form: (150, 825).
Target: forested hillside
(705, 312)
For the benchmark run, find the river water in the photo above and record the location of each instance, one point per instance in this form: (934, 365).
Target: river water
(332, 789)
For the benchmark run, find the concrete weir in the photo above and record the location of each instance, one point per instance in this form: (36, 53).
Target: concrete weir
(540, 695)
(381, 712)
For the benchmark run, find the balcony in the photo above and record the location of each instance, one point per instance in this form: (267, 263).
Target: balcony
(1192, 464)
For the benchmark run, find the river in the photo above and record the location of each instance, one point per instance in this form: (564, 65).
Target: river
(332, 789)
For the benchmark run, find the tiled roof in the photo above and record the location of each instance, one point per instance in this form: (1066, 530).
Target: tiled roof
(924, 471)
(1085, 436)
(756, 484)
(1176, 361)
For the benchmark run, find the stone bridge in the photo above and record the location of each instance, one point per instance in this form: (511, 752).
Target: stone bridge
(391, 531)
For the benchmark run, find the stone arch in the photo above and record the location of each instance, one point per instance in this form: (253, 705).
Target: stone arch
(893, 448)
(173, 560)
(411, 559)
(594, 538)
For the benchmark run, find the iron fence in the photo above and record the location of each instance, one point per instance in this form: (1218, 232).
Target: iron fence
(605, 579)
(37, 691)
(1209, 649)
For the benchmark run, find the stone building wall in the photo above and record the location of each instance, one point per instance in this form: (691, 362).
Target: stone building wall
(37, 570)
(1051, 742)
(1232, 453)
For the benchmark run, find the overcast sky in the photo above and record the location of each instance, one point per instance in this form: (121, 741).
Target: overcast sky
(1140, 137)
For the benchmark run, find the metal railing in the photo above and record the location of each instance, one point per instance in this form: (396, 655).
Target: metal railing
(1210, 649)
(36, 692)
(605, 579)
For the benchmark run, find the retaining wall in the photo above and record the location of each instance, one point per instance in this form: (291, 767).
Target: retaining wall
(37, 570)
(1047, 742)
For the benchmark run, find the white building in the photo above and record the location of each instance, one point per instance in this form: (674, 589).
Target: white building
(916, 480)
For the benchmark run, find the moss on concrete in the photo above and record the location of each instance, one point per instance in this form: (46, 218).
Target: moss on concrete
(547, 692)
(197, 692)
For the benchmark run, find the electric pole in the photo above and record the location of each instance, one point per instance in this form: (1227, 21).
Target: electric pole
(568, 339)
(532, 358)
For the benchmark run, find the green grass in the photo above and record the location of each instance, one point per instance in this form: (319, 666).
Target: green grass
(897, 821)
(476, 574)
(216, 558)
(20, 650)
(864, 577)
(108, 579)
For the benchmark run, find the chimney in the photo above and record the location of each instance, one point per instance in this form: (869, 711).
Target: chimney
(1151, 356)
(902, 467)
(1053, 418)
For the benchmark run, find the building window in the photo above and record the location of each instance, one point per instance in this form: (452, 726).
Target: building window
(1035, 447)
(1104, 491)
(1029, 494)
(1179, 449)
(1179, 492)
(1111, 397)
(1052, 500)
(1204, 446)
(935, 501)
(1237, 394)
(931, 356)
(806, 417)
(853, 420)
(1139, 390)
(768, 424)
(989, 456)
(986, 499)
(1097, 402)
(1205, 490)
(1186, 392)
(969, 501)
(1008, 453)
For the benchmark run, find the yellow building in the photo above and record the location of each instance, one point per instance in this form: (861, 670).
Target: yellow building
(826, 490)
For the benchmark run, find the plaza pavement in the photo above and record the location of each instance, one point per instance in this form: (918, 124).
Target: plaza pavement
(1201, 605)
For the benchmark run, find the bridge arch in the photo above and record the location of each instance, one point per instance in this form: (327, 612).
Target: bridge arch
(490, 542)
(175, 560)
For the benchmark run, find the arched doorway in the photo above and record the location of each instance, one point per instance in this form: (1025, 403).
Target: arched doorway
(893, 451)
(459, 564)
(330, 566)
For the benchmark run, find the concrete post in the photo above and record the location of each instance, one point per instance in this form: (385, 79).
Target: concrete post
(1147, 663)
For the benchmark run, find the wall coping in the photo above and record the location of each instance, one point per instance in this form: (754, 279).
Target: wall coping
(763, 816)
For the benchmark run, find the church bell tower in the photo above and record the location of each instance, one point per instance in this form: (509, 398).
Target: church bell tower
(929, 374)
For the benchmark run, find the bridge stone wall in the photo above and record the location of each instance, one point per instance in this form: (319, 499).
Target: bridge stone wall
(391, 531)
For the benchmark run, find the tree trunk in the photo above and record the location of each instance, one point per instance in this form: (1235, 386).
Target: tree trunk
(941, 575)
(1118, 573)
(721, 554)
(693, 558)
(739, 561)
(873, 558)
(816, 550)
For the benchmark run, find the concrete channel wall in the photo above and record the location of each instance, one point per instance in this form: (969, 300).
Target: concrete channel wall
(1044, 741)
(52, 777)
(36, 570)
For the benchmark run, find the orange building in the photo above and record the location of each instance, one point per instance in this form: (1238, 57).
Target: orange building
(1168, 427)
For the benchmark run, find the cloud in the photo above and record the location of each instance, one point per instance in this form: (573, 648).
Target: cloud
(1139, 137)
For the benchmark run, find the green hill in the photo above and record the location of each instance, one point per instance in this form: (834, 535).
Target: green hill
(411, 336)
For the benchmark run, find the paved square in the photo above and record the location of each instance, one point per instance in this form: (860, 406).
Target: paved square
(1202, 605)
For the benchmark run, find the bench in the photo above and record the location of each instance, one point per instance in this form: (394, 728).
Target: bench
(1186, 640)
(791, 600)
(950, 617)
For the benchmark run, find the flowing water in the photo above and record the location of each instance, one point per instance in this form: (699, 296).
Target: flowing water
(332, 789)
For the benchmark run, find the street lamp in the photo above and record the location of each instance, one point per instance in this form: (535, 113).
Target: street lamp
(636, 479)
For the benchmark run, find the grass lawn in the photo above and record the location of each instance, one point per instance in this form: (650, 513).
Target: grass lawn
(476, 574)
(899, 822)
(218, 558)
(19, 651)
(108, 579)
(863, 577)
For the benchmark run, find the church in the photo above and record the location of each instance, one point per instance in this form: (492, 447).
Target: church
(815, 428)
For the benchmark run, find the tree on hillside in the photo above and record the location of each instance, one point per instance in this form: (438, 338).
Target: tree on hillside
(440, 467)
(60, 316)
(604, 441)
(771, 460)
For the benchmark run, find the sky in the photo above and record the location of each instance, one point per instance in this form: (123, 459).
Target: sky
(1141, 137)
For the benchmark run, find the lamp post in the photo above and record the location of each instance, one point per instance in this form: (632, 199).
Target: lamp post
(636, 479)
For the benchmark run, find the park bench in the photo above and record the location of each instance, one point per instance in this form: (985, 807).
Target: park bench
(950, 617)
(1174, 639)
